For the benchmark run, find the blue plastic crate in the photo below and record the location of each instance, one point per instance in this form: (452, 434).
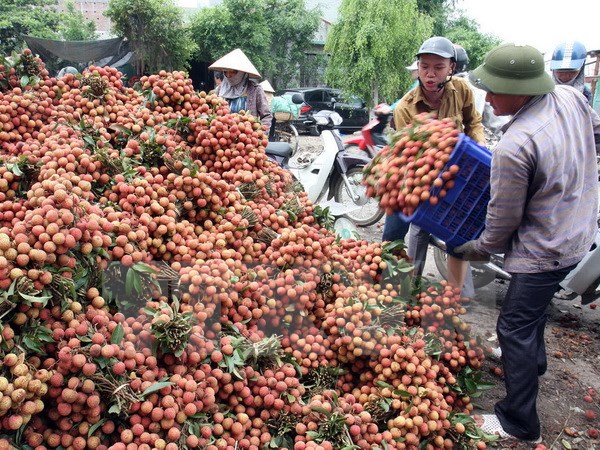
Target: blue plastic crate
(459, 216)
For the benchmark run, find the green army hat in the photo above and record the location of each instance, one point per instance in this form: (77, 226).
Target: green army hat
(513, 69)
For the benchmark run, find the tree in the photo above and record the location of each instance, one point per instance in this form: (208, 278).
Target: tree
(439, 11)
(372, 43)
(155, 31)
(274, 34)
(25, 17)
(74, 27)
(292, 30)
(465, 32)
(233, 24)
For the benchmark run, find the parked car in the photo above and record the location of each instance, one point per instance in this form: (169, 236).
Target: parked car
(352, 109)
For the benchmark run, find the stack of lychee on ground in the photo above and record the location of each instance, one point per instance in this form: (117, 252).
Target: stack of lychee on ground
(165, 286)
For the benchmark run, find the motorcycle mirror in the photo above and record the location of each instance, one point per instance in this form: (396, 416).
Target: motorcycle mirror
(297, 98)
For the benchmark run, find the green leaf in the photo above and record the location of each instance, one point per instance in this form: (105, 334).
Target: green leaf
(149, 311)
(566, 444)
(155, 388)
(31, 345)
(402, 393)
(15, 169)
(144, 268)
(24, 81)
(114, 409)
(137, 283)
(321, 410)
(95, 426)
(89, 140)
(120, 128)
(117, 335)
(43, 300)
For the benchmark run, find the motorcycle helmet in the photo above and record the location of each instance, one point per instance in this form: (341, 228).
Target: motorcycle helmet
(568, 56)
(438, 45)
(513, 69)
(462, 59)
(383, 109)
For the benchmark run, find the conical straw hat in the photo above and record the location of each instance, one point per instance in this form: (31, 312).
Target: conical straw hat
(267, 86)
(235, 60)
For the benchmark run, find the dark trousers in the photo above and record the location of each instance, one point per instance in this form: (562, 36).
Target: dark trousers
(394, 228)
(520, 331)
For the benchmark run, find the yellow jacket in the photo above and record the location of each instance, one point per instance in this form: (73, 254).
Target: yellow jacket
(457, 103)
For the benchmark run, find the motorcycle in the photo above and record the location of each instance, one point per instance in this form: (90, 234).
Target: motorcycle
(333, 177)
(483, 272)
(583, 280)
(369, 143)
(372, 136)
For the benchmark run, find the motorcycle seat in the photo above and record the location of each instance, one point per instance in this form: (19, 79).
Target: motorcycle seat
(282, 149)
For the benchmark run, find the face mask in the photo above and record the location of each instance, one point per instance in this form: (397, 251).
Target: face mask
(236, 79)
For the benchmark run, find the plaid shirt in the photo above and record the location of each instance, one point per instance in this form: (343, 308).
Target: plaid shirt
(544, 185)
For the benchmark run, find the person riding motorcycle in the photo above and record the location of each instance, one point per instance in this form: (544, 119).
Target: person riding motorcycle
(568, 60)
(383, 114)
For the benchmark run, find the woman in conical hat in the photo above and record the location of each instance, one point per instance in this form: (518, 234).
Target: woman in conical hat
(269, 91)
(242, 92)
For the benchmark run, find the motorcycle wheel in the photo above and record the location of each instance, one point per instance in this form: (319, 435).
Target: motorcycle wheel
(369, 212)
(286, 132)
(482, 276)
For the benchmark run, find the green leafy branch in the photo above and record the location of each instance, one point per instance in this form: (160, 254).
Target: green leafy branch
(171, 328)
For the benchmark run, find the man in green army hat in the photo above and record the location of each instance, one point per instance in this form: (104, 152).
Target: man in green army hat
(541, 215)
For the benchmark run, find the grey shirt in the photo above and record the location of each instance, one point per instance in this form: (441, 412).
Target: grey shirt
(544, 184)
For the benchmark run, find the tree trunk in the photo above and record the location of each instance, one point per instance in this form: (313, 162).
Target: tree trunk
(375, 96)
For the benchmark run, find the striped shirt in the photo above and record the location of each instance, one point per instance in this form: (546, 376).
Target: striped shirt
(544, 185)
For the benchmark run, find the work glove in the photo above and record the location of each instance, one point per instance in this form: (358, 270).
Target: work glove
(470, 253)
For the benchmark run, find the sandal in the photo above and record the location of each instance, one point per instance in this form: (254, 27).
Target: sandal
(496, 354)
(491, 425)
(566, 294)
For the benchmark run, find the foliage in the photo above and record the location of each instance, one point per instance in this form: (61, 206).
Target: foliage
(170, 328)
(439, 11)
(74, 27)
(156, 32)
(233, 24)
(29, 17)
(368, 62)
(292, 29)
(465, 32)
(272, 33)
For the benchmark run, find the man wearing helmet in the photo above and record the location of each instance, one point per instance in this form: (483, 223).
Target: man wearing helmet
(438, 92)
(541, 215)
(567, 65)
